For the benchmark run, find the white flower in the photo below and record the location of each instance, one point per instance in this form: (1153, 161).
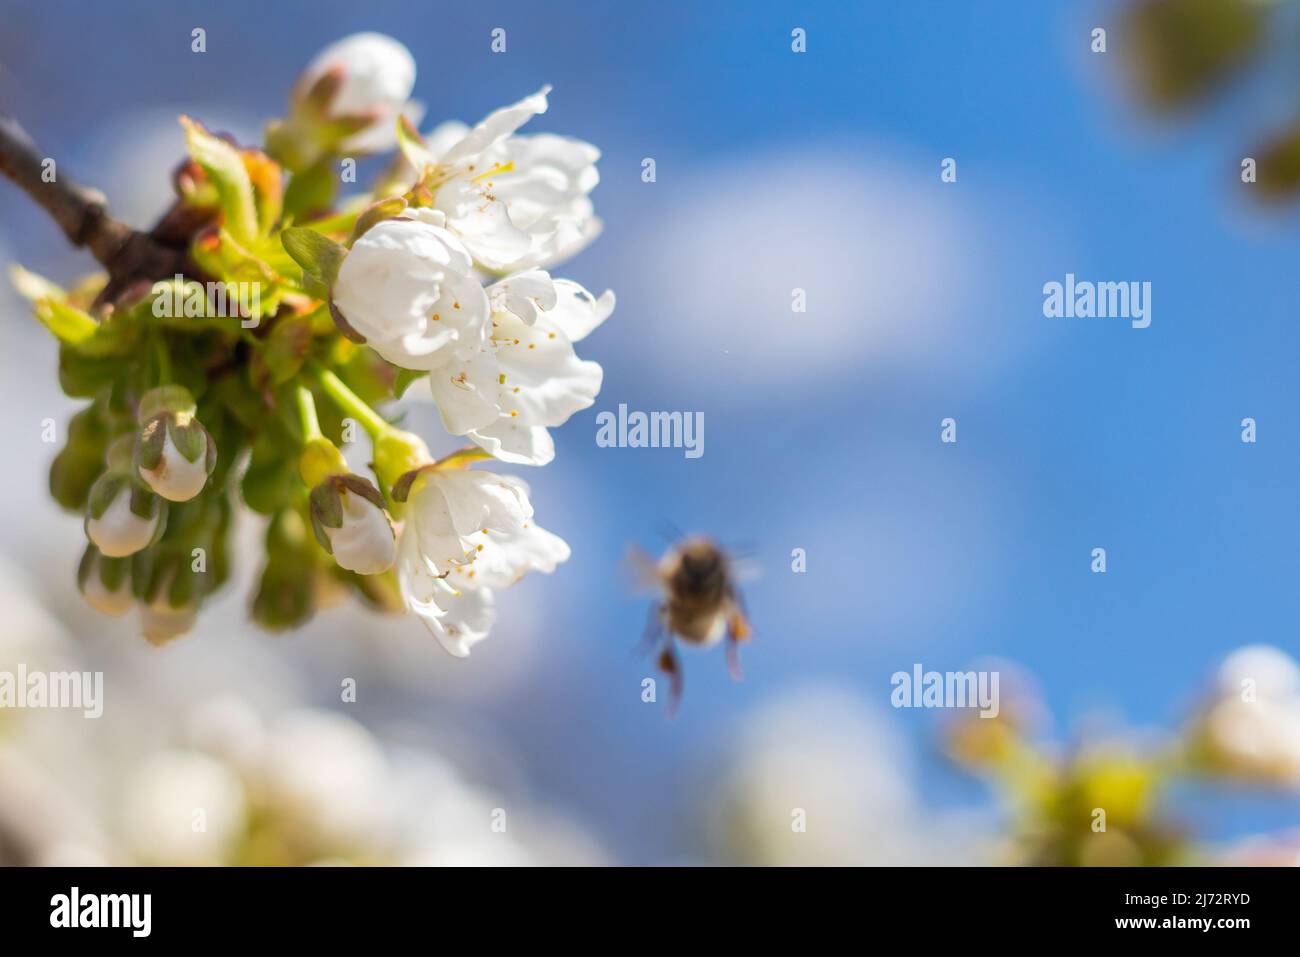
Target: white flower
(1251, 726)
(527, 377)
(326, 777)
(407, 287)
(348, 514)
(123, 518)
(161, 798)
(377, 75)
(467, 533)
(516, 201)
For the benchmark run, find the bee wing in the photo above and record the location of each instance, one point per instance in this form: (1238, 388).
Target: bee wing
(745, 569)
(641, 570)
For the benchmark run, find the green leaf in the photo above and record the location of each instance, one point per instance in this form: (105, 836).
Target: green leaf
(225, 166)
(318, 255)
(286, 347)
(68, 323)
(268, 188)
(311, 190)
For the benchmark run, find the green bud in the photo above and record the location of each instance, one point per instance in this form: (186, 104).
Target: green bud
(81, 460)
(105, 583)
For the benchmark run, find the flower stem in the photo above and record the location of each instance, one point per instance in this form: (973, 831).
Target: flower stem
(164, 359)
(307, 414)
(351, 403)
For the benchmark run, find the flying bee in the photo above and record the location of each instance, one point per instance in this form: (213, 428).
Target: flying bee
(701, 604)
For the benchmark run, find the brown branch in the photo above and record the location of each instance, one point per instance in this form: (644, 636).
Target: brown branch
(132, 258)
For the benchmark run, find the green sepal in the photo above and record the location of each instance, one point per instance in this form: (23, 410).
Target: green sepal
(103, 493)
(193, 442)
(327, 506)
(375, 214)
(345, 327)
(319, 256)
(401, 489)
(403, 380)
(150, 442)
(111, 572)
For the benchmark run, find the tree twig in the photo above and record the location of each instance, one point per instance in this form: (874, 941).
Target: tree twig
(130, 256)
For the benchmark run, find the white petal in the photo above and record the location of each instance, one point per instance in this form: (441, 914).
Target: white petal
(458, 621)
(119, 531)
(523, 294)
(542, 381)
(482, 222)
(501, 559)
(443, 137)
(577, 312)
(506, 439)
(496, 127)
(407, 287)
(176, 478)
(377, 70)
(479, 500)
(466, 392)
(364, 543)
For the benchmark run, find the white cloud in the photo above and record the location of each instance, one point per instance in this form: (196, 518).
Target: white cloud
(890, 258)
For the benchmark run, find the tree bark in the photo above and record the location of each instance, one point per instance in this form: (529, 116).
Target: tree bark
(131, 257)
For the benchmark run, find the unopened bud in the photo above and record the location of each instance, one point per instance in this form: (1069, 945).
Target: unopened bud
(105, 583)
(173, 451)
(350, 521)
(122, 515)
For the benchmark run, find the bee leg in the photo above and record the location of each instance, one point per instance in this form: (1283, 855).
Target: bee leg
(670, 666)
(733, 660)
(738, 630)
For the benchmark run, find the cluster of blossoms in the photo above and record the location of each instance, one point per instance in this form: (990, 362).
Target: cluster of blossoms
(440, 274)
(1244, 731)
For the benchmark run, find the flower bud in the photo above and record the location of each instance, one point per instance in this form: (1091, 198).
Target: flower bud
(81, 461)
(161, 623)
(122, 515)
(287, 593)
(407, 288)
(173, 451)
(397, 453)
(347, 101)
(105, 583)
(348, 516)
(169, 593)
(360, 83)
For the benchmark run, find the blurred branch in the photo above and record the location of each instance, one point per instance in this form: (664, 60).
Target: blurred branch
(131, 257)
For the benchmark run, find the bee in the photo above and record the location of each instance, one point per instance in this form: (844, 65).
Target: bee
(701, 604)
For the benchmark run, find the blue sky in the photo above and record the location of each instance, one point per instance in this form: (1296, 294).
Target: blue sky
(1073, 434)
